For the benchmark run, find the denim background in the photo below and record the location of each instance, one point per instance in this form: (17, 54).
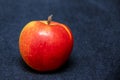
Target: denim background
(96, 28)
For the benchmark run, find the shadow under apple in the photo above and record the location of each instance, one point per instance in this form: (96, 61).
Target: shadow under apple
(115, 73)
(66, 67)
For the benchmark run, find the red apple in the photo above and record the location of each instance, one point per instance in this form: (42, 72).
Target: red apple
(45, 45)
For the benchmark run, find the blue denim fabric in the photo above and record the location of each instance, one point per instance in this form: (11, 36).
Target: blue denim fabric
(96, 28)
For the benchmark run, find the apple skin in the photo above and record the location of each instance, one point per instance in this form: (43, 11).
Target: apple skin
(45, 47)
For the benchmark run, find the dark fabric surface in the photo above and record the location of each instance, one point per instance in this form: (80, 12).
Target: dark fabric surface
(96, 28)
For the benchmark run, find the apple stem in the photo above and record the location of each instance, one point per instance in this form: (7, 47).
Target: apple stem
(49, 19)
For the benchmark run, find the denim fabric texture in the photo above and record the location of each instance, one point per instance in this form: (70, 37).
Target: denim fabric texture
(95, 25)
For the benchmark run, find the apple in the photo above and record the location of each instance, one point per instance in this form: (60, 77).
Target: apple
(45, 45)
